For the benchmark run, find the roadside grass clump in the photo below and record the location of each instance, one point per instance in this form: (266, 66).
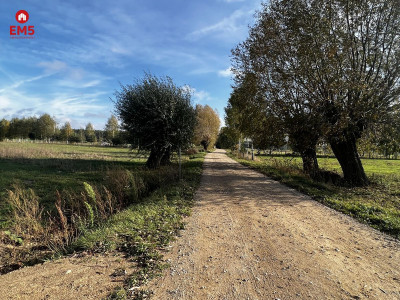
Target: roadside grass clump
(377, 205)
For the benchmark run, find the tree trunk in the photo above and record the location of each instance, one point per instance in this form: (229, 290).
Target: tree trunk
(166, 158)
(310, 162)
(205, 144)
(347, 155)
(154, 160)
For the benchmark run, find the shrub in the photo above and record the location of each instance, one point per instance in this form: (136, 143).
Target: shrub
(191, 151)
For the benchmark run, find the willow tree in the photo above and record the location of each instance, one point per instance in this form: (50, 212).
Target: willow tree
(338, 59)
(248, 111)
(269, 102)
(207, 126)
(157, 113)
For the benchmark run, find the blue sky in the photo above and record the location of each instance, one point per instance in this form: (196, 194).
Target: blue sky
(82, 50)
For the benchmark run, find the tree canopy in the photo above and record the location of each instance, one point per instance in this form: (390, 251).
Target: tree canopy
(111, 129)
(157, 113)
(327, 68)
(207, 126)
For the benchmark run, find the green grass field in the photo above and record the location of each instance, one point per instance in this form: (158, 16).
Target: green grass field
(46, 168)
(371, 166)
(377, 205)
(56, 199)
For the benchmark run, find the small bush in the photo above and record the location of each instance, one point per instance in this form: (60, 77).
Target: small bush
(191, 151)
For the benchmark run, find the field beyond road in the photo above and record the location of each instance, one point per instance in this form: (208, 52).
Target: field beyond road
(250, 237)
(377, 204)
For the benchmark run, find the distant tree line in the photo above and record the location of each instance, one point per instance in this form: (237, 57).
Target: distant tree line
(45, 128)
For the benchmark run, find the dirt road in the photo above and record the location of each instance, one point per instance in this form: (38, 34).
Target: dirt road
(250, 237)
(89, 277)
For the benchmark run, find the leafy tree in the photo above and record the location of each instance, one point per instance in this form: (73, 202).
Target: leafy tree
(253, 117)
(4, 128)
(90, 135)
(337, 61)
(232, 121)
(23, 128)
(45, 127)
(207, 126)
(157, 113)
(227, 139)
(76, 138)
(111, 129)
(14, 130)
(270, 133)
(66, 132)
(384, 137)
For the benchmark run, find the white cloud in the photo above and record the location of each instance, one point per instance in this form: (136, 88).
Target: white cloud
(197, 96)
(21, 82)
(201, 96)
(225, 73)
(222, 121)
(62, 106)
(188, 88)
(77, 84)
(4, 102)
(91, 83)
(119, 49)
(228, 26)
(53, 66)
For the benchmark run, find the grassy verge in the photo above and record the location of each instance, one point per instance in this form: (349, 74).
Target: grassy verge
(145, 227)
(377, 205)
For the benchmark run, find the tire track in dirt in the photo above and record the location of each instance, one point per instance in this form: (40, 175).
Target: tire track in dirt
(250, 237)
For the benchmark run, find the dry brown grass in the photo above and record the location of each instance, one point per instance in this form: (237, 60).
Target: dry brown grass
(74, 211)
(26, 211)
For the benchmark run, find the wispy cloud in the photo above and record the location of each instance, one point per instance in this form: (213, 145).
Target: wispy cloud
(76, 61)
(201, 96)
(79, 84)
(21, 82)
(4, 103)
(53, 66)
(63, 106)
(225, 73)
(198, 96)
(228, 27)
